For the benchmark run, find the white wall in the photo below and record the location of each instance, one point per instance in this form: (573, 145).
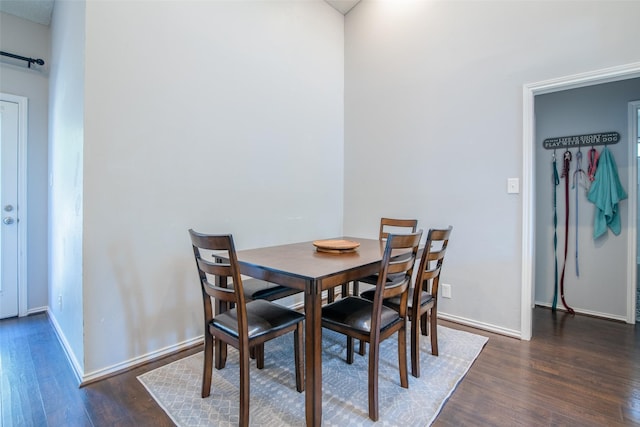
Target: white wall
(221, 116)
(66, 139)
(601, 288)
(433, 124)
(29, 39)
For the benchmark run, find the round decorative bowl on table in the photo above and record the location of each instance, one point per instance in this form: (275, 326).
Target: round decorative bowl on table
(336, 246)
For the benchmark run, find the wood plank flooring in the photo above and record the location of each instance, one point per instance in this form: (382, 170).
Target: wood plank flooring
(576, 371)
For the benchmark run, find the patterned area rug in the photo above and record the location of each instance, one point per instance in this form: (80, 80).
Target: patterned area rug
(275, 402)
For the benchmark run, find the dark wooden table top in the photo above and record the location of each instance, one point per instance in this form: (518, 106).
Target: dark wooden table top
(297, 263)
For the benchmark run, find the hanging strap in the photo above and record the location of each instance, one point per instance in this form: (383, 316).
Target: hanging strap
(593, 163)
(556, 182)
(565, 175)
(577, 178)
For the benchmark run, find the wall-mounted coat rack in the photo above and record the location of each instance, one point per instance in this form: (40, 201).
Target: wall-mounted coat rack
(587, 140)
(23, 58)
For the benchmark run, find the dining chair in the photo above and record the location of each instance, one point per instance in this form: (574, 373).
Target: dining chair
(387, 225)
(423, 304)
(243, 324)
(372, 322)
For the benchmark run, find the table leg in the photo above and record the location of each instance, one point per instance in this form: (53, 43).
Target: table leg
(313, 354)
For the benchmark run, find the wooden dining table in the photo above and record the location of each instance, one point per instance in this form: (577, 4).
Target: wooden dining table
(301, 266)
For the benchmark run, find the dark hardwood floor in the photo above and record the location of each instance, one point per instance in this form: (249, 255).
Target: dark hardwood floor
(576, 371)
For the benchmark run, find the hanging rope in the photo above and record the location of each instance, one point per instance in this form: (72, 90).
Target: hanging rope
(566, 176)
(579, 177)
(556, 182)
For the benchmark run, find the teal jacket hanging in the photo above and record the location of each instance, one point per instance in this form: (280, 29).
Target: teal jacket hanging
(605, 193)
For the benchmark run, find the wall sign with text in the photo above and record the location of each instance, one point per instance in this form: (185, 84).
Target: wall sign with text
(581, 140)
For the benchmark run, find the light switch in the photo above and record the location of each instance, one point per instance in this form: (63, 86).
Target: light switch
(513, 185)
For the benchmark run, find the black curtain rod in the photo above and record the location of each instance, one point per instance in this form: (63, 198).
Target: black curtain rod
(23, 58)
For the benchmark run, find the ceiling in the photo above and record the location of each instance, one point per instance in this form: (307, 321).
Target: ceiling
(343, 6)
(40, 11)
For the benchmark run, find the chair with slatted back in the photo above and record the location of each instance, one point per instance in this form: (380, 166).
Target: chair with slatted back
(423, 305)
(387, 225)
(243, 324)
(371, 321)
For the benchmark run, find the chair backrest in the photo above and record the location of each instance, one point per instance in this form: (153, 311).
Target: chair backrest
(400, 255)
(428, 277)
(396, 226)
(216, 261)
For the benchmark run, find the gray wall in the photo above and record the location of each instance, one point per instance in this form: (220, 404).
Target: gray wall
(32, 40)
(434, 124)
(66, 153)
(225, 117)
(601, 288)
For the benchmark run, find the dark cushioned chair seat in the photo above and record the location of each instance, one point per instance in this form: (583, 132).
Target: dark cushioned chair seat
(259, 289)
(355, 313)
(395, 302)
(372, 280)
(262, 317)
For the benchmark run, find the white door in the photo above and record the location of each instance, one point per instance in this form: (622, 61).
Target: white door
(9, 209)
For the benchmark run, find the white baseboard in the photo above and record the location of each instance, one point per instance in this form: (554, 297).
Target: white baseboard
(37, 310)
(587, 312)
(140, 360)
(73, 361)
(480, 325)
(84, 379)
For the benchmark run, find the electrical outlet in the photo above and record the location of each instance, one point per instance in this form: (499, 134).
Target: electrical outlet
(446, 290)
(60, 301)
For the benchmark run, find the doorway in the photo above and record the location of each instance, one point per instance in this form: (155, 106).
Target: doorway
(528, 195)
(13, 137)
